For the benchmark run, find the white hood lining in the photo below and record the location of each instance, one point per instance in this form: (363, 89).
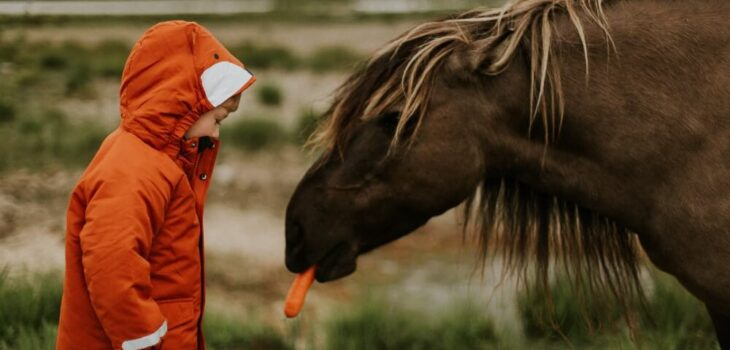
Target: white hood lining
(222, 80)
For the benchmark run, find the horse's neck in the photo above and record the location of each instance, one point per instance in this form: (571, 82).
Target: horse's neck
(629, 130)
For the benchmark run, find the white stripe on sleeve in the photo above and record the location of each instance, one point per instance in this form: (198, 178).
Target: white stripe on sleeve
(147, 340)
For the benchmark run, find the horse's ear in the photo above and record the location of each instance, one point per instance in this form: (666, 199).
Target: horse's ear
(489, 55)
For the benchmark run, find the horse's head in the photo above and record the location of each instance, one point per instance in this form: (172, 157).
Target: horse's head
(451, 107)
(404, 143)
(359, 197)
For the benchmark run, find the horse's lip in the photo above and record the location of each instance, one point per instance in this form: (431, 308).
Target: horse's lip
(339, 262)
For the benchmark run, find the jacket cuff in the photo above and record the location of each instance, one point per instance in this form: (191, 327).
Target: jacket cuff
(146, 341)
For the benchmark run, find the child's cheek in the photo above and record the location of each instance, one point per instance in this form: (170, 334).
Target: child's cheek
(216, 131)
(210, 126)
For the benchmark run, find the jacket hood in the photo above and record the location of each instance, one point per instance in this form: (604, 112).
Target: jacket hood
(176, 72)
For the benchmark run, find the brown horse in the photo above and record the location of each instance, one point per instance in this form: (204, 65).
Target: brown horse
(564, 125)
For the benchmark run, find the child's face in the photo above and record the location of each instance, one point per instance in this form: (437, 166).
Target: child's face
(209, 123)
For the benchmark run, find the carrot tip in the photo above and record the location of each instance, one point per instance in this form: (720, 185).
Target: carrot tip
(298, 292)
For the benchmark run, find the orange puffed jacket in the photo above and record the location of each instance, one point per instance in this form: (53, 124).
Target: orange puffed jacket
(134, 274)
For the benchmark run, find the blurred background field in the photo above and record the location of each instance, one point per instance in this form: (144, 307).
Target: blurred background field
(59, 79)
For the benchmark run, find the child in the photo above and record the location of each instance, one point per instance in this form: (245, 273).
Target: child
(134, 240)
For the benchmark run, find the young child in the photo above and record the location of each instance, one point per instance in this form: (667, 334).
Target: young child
(134, 241)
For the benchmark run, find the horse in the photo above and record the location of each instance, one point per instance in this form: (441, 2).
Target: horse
(587, 132)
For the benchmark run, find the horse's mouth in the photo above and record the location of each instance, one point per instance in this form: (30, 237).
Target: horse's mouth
(337, 263)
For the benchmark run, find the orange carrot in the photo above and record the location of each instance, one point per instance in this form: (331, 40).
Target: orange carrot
(298, 292)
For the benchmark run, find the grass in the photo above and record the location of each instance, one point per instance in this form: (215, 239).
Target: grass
(259, 133)
(43, 338)
(47, 139)
(265, 56)
(254, 134)
(676, 319)
(379, 325)
(334, 58)
(39, 136)
(323, 59)
(672, 319)
(109, 58)
(82, 63)
(29, 311)
(227, 333)
(78, 79)
(568, 317)
(35, 134)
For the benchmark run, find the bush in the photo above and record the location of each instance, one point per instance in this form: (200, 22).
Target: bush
(53, 60)
(48, 139)
(306, 125)
(378, 326)
(465, 327)
(79, 148)
(11, 51)
(277, 57)
(79, 63)
(570, 314)
(78, 79)
(675, 318)
(57, 56)
(257, 56)
(373, 325)
(333, 58)
(254, 134)
(672, 319)
(269, 95)
(109, 58)
(225, 333)
(7, 111)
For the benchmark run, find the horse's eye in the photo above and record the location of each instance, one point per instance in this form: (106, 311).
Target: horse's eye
(389, 121)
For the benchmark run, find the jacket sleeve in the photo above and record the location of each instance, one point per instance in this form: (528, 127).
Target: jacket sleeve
(122, 217)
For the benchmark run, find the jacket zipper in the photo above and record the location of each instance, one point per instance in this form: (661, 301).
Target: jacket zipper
(198, 212)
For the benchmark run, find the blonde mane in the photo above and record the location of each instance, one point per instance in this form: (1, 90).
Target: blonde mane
(599, 256)
(413, 59)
